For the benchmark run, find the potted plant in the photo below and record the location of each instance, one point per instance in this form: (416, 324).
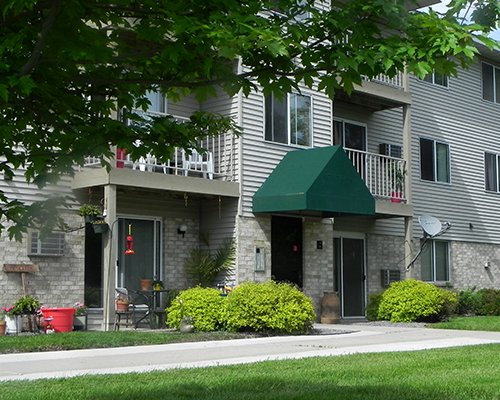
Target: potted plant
(80, 317)
(122, 303)
(397, 178)
(89, 212)
(13, 321)
(2, 324)
(157, 285)
(100, 226)
(27, 304)
(145, 284)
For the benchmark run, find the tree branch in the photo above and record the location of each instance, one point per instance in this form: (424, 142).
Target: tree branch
(37, 50)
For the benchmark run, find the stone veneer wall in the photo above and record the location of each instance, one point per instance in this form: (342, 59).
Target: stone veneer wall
(60, 282)
(252, 233)
(318, 263)
(383, 252)
(467, 262)
(177, 249)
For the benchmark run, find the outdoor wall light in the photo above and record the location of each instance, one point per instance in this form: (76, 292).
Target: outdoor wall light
(181, 230)
(487, 264)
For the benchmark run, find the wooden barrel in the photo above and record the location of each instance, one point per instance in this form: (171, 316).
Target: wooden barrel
(330, 308)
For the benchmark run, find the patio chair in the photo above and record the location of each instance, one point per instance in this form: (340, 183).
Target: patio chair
(198, 162)
(136, 311)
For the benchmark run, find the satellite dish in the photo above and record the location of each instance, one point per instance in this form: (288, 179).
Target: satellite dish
(431, 226)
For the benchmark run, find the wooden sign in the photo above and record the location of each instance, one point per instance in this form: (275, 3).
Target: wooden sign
(21, 268)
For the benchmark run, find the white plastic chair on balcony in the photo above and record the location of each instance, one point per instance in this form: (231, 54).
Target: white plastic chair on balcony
(198, 162)
(145, 163)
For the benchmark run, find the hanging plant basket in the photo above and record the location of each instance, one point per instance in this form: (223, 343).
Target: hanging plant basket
(100, 228)
(90, 218)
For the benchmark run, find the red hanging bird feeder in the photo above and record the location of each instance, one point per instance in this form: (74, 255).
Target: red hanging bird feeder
(130, 241)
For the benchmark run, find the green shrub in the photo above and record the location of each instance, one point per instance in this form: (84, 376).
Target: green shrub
(373, 305)
(412, 300)
(205, 305)
(278, 307)
(467, 302)
(488, 302)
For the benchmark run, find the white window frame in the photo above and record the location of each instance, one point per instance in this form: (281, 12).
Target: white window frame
(431, 246)
(51, 246)
(434, 80)
(495, 84)
(269, 126)
(492, 183)
(435, 159)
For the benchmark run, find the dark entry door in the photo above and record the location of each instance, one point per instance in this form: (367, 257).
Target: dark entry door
(350, 271)
(286, 249)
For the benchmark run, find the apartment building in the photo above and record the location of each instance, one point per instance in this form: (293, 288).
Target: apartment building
(322, 194)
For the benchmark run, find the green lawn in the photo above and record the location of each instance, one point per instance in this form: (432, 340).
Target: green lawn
(491, 324)
(87, 340)
(458, 373)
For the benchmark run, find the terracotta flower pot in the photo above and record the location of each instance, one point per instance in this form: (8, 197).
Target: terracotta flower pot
(146, 284)
(122, 306)
(3, 324)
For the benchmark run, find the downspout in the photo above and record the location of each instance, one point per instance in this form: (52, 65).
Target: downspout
(408, 228)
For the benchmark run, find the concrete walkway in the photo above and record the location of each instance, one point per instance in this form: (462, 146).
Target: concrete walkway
(335, 340)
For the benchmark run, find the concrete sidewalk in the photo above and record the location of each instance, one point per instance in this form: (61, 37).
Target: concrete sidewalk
(335, 340)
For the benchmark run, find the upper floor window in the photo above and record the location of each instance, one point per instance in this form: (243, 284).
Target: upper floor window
(434, 161)
(158, 102)
(491, 176)
(349, 135)
(435, 261)
(289, 120)
(436, 79)
(491, 83)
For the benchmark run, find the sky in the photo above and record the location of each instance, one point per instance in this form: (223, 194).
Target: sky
(442, 7)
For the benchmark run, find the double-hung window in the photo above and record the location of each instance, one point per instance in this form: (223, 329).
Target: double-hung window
(435, 261)
(434, 161)
(491, 176)
(289, 120)
(491, 83)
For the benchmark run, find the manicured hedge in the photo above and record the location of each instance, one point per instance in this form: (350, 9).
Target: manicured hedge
(270, 306)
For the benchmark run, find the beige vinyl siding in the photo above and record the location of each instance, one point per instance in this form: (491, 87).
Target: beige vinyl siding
(260, 157)
(459, 117)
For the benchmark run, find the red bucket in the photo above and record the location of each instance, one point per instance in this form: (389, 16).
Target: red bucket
(58, 319)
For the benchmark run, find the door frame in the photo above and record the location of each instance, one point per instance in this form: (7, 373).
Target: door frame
(338, 270)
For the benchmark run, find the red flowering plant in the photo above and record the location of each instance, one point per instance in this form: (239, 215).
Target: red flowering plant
(11, 311)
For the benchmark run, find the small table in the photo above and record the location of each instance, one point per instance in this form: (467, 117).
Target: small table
(152, 298)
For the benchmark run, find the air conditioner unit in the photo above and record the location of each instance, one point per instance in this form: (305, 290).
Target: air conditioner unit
(391, 150)
(389, 275)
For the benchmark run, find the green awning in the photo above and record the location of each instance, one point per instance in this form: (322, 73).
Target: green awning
(320, 181)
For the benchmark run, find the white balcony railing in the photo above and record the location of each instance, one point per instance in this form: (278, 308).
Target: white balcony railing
(218, 162)
(383, 175)
(394, 82)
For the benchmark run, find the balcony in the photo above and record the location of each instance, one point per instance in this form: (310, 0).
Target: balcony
(217, 162)
(383, 175)
(379, 93)
(212, 172)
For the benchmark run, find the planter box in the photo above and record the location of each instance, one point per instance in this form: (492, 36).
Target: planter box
(80, 322)
(14, 325)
